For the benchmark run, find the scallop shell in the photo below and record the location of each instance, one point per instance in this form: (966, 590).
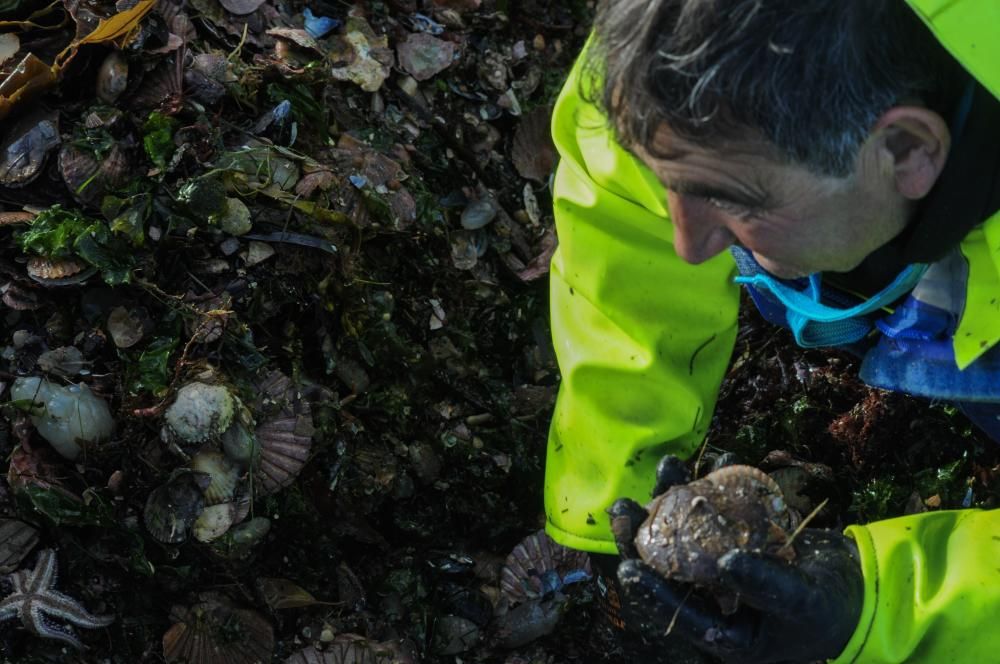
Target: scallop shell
(214, 521)
(58, 271)
(538, 565)
(692, 525)
(173, 507)
(215, 631)
(17, 539)
(16, 217)
(347, 649)
(224, 473)
(89, 179)
(18, 298)
(200, 412)
(285, 437)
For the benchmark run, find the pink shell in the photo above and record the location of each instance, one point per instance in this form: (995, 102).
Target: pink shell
(284, 436)
(521, 576)
(203, 634)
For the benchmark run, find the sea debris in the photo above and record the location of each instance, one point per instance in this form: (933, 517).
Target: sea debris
(43, 610)
(68, 417)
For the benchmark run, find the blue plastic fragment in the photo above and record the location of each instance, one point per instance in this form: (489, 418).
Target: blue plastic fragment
(575, 576)
(358, 181)
(424, 23)
(550, 582)
(281, 111)
(318, 26)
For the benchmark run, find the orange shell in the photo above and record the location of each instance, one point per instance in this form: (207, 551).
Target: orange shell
(54, 268)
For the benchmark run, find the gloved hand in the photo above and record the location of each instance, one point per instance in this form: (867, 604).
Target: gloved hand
(797, 611)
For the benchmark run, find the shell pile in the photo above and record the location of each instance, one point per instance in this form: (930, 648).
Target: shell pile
(692, 525)
(236, 460)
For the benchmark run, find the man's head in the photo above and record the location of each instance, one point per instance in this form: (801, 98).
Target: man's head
(805, 130)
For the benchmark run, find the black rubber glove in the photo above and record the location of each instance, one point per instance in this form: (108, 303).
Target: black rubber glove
(798, 611)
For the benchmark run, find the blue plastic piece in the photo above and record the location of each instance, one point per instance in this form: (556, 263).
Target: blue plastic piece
(319, 26)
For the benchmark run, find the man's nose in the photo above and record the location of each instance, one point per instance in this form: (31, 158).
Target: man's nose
(698, 234)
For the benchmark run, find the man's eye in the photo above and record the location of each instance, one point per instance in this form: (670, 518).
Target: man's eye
(730, 207)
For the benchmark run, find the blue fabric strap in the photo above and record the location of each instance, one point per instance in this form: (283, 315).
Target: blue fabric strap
(816, 324)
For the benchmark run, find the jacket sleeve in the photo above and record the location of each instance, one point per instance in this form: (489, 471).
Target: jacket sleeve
(642, 338)
(932, 589)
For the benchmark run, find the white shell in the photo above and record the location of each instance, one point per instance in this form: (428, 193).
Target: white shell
(214, 521)
(70, 415)
(200, 412)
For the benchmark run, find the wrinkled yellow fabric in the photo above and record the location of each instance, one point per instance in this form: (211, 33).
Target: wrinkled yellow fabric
(643, 340)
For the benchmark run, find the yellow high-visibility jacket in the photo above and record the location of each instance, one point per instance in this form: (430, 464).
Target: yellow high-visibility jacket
(643, 340)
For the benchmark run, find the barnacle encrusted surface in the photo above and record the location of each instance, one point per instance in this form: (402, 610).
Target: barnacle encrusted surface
(691, 526)
(200, 412)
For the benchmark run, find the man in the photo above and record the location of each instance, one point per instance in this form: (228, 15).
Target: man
(821, 150)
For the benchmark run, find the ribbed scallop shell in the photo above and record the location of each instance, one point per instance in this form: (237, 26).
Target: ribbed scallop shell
(224, 473)
(17, 539)
(172, 508)
(214, 631)
(87, 179)
(529, 569)
(345, 649)
(58, 271)
(284, 433)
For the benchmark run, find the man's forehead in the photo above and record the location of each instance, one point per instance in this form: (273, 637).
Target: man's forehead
(669, 146)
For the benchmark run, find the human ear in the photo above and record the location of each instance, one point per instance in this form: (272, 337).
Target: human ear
(916, 140)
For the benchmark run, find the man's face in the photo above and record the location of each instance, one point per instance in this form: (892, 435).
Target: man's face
(794, 222)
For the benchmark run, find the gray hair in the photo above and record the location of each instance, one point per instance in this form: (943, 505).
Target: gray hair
(810, 76)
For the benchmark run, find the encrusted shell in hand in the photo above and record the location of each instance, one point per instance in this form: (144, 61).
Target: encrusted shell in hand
(691, 526)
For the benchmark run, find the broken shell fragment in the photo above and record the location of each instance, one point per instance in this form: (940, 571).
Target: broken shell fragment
(215, 631)
(200, 412)
(68, 416)
(173, 507)
(125, 328)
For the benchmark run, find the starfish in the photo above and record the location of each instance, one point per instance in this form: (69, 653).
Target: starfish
(36, 602)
